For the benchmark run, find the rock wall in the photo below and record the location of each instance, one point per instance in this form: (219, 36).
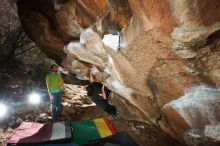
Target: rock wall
(165, 49)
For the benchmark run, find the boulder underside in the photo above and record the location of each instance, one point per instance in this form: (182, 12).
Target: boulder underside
(161, 58)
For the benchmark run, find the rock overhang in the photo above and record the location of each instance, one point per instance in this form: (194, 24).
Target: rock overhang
(165, 48)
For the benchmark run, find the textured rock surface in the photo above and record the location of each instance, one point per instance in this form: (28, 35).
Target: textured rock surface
(212, 132)
(166, 48)
(196, 109)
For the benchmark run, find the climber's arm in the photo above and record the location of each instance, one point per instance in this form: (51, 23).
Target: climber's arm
(91, 77)
(103, 92)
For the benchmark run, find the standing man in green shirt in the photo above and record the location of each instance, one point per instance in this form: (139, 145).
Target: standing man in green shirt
(55, 86)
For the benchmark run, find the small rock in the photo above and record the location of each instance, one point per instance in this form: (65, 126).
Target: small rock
(212, 132)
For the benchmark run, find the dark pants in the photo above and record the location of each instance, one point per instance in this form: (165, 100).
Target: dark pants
(99, 101)
(56, 104)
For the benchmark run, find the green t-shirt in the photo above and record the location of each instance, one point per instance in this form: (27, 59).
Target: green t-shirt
(54, 82)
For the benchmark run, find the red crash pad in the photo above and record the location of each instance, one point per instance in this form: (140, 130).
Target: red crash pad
(30, 134)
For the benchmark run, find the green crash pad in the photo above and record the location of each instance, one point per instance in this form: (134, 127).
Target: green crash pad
(61, 144)
(87, 130)
(84, 131)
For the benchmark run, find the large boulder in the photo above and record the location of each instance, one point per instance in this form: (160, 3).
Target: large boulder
(196, 109)
(148, 52)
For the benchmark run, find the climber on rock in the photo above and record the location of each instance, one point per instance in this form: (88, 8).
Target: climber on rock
(98, 94)
(55, 86)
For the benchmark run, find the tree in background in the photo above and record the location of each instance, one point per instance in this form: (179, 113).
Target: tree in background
(18, 54)
(13, 40)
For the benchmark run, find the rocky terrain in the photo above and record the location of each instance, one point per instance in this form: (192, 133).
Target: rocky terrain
(161, 58)
(77, 106)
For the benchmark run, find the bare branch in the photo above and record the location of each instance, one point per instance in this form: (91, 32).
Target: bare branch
(24, 51)
(20, 36)
(24, 44)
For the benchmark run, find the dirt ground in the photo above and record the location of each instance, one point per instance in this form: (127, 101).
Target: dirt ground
(77, 106)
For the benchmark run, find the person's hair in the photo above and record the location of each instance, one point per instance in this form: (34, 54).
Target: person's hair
(90, 90)
(51, 67)
(95, 87)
